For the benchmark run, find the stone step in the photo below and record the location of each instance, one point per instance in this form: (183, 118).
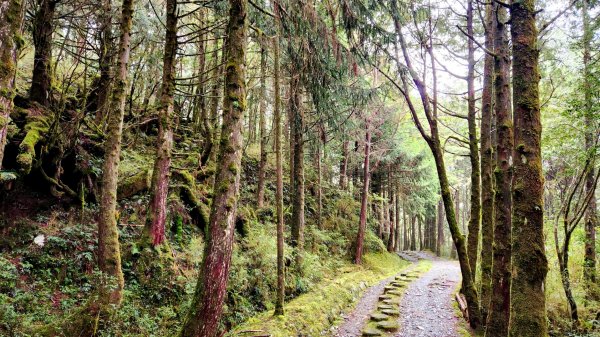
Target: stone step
(385, 297)
(388, 326)
(385, 306)
(372, 332)
(391, 312)
(378, 317)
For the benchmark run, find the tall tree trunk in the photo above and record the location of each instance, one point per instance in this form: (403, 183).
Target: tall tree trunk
(528, 300)
(405, 242)
(207, 306)
(421, 221)
(319, 185)
(563, 265)
(105, 62)
(475, 216)
(109, 251)
(260, 194)
(487, 183)
(344, 166)
(413, 231)
(440, 228)
(297, 113)
(43, 28)
(11, 19)
(397, 225)
(362, 227)
(591, 218)
(499, 309)
(155, 224)
(279, 168)
(392, 238)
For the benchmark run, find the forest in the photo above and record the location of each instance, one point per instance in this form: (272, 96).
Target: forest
(256, 168)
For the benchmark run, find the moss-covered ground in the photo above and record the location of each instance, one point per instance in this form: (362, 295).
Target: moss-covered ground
(316, 312)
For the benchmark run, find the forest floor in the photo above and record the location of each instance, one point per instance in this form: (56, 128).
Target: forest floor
(426, 308)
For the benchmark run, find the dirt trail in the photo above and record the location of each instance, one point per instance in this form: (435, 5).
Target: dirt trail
(426, 308)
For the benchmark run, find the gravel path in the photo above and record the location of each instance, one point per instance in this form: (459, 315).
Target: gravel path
(426, 309)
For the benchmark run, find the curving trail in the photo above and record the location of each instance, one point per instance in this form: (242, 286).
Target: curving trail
(426, 310)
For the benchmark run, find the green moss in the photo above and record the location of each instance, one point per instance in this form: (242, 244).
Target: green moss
(36, 127)
(318, 310)
(4, 121)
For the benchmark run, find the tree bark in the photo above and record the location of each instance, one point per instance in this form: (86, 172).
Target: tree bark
(528, 300)
(344, 166)
(487, 183)
(440, 228)
(398, 231)
(43, 28)
(105, 62)
(392, 238)
(262, 110)
(297, 112)
(11, 19)
(413, 231)
(207, 306)
(155, 224)
(109, 251)
(499, 309)
(318, 159)
(279, 168)
(591, 217)
(475, 216)
(362, 227)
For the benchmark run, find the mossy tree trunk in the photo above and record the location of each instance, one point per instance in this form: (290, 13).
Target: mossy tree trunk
(362, 226)
(279, 302)
(297, 124)
(109, 251)
(392, 237)
(475, 214)
(344, 165)
(43, 28)
(397, 219)
(499, 309)
(530, 266)
(105, 61)
(591, 216)
(413, 230)
(440, 228)
(486, 153)
(207, 306)
(262, 125)
(11, 19)
(156, 220)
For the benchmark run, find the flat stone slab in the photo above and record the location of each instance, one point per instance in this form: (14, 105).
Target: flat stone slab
(391, 312)
(378, 317)
(394, 292)
(388, 288)
(388, 326)
(385, 306)
(390, 301)
(385, 297)
(372, 332)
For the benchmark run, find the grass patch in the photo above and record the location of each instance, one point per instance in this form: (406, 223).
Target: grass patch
(318, 310)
